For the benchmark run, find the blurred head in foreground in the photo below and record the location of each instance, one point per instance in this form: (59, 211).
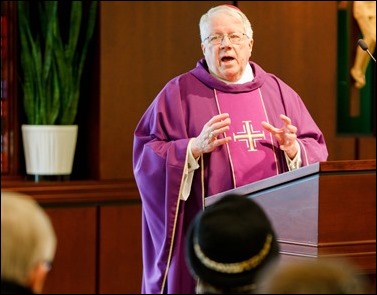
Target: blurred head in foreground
(28, 243)
(228, 244)
(318, 276)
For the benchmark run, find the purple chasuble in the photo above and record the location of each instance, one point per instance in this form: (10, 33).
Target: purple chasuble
(176, 115)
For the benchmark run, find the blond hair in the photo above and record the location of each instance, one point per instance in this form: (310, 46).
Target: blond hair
(27, 237)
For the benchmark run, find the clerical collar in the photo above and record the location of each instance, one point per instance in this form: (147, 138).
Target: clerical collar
(247, 76)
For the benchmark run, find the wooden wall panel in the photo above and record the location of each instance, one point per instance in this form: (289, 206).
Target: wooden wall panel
(120, 265)
(74, 267)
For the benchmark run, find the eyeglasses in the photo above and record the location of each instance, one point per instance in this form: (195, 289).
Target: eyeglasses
(234, 38)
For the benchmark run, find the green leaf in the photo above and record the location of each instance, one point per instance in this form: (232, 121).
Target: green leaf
(51, 66)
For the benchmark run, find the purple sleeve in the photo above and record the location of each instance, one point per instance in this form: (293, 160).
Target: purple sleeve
(284, 100)
(160, 143)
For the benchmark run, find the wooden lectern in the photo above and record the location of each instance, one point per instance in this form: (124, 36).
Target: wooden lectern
(326, 209)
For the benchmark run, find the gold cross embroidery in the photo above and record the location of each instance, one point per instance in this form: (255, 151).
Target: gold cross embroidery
(249, 136)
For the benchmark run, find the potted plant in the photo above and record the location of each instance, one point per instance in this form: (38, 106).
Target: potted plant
(52, 64)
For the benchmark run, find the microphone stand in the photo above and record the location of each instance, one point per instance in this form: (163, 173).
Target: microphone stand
(364, 47)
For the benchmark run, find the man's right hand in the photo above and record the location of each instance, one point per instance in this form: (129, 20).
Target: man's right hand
(209, 138)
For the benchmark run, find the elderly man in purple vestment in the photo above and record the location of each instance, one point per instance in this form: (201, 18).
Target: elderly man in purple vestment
(224, 124)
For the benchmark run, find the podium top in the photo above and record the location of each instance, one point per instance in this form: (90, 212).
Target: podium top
(306, 171)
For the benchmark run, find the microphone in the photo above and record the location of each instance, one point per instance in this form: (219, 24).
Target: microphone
(364, 46)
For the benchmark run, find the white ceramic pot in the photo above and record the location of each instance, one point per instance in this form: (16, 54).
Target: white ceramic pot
(49, 149)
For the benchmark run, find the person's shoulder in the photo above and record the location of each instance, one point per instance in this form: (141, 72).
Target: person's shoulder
(268, 77)
(272, 81)
(259, 71)
(175, 86)
(181, 80)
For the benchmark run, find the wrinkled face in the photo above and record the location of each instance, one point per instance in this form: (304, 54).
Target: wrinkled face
(226, 60)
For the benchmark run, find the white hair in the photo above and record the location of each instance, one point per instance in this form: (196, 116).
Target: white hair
(27, 237)
(227, 9)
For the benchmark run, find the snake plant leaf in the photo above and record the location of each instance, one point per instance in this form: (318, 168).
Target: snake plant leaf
(52, 66)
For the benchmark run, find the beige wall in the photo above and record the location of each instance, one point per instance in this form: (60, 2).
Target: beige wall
(143, 44)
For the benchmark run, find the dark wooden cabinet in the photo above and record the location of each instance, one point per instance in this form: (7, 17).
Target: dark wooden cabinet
(120, 243)
(98, 226)
(75, 265)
